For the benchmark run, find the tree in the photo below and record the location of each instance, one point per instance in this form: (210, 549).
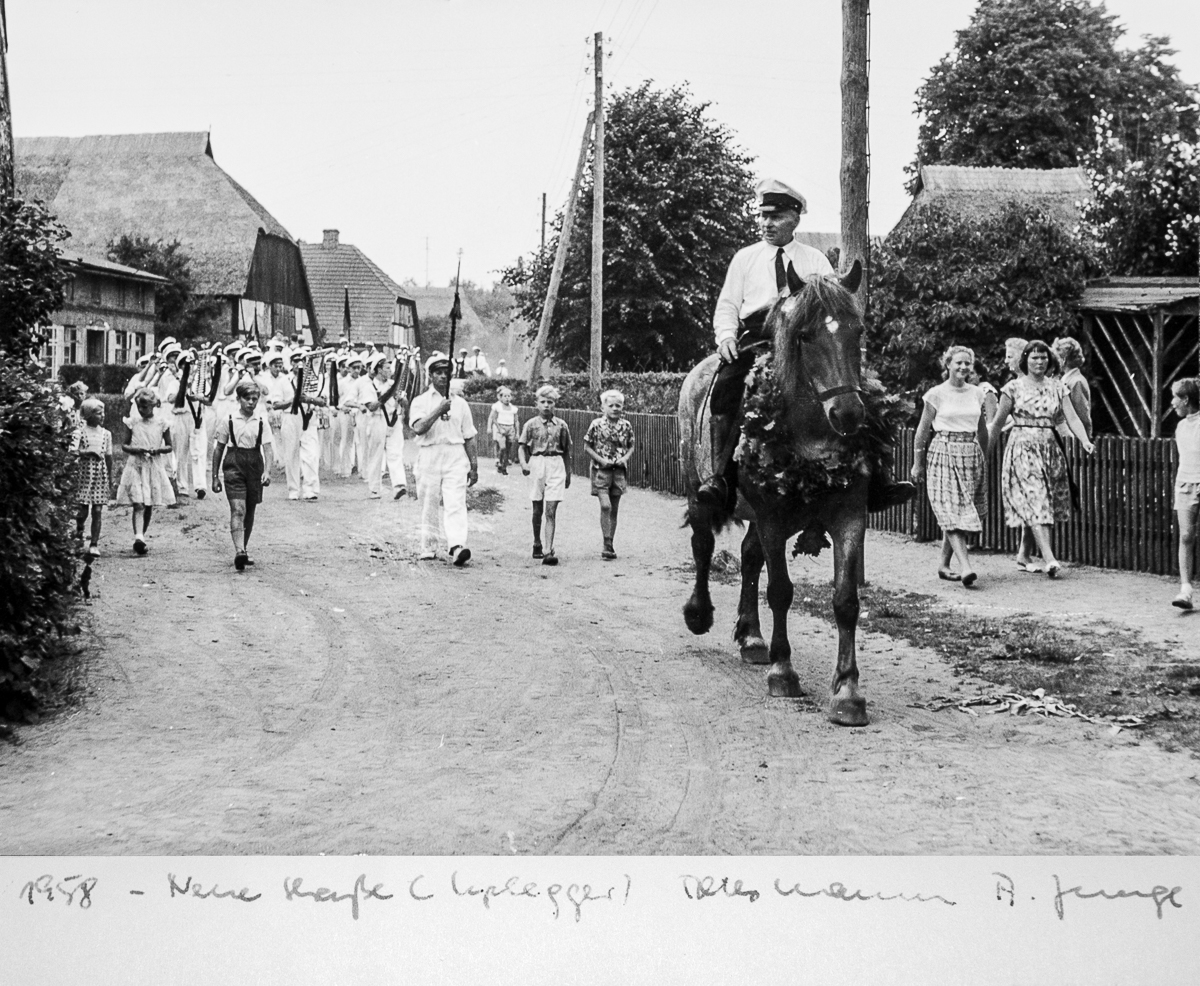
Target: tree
(31, 273)
(178, 311)
(677, 195)
(1042, 84)
(943, 277)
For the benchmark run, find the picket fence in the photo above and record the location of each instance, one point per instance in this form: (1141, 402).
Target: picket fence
(1126, 487)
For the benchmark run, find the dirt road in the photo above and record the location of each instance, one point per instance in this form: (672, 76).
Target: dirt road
(341, 697)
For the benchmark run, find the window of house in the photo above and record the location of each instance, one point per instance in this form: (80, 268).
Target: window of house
(94, 283)
(121, 346)
(70, 349)
(139, 345)
(69, 290)
(121, 294)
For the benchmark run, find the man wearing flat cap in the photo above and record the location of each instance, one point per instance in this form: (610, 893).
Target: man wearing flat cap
(758, 276)
(447, 462)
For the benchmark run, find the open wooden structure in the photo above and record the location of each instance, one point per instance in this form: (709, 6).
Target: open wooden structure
(1143, 334)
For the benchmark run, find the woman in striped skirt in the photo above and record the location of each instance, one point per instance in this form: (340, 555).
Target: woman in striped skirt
(948, 455)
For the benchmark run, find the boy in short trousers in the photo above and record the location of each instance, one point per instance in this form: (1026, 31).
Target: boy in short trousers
(545, 452)
(609, 444)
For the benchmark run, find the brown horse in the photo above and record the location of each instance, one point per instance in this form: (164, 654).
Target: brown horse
(818, 409)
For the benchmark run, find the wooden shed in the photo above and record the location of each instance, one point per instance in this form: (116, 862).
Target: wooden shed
(1143, 334)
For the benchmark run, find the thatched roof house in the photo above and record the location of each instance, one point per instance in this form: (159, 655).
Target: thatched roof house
(980, 191)
(162, 186)
(335, 268)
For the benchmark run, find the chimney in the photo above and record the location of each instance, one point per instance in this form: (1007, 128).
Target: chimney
(331, 238)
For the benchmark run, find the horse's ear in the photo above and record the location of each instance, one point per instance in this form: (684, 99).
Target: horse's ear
(853, 277)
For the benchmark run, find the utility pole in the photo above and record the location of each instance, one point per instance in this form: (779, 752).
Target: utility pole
(855, 172)
(8, 183)
(597, 355)
(560, 255)
(543, 222)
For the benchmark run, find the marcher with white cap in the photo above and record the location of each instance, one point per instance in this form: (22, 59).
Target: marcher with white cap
(447, 462)
(758, 276)
(373, 424)
(476, 364)
(279, 397)
(302, 444)
(352, 407)
(340, 436)
(149, 371)
(172, 400)
(501, 369)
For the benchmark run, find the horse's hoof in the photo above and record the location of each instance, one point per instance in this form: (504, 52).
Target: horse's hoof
(699, 619)
(754, 650)
(848, 710)
(784, 684)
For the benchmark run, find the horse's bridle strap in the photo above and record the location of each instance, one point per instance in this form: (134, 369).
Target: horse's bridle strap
(825, 395)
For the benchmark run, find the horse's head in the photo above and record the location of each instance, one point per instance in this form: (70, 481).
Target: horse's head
(818, 329)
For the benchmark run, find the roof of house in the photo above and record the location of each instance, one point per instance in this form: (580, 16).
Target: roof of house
(821, 241)
(332, 268)
(161, 186)
(1060, 191)
(103, 266)
(433, 302)
(1136, 293)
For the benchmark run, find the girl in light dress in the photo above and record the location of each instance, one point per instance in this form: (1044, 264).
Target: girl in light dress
(1185, 401)
(953, 434)
(93, 444)
(1034, 475)
(144, 481)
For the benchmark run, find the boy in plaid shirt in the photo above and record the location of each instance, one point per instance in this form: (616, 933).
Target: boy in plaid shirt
(609, 444)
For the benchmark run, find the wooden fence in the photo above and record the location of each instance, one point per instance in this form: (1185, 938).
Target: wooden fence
(1126, 487)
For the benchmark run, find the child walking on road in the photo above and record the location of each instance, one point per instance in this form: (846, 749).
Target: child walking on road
(609, 444)
(1186, 402)
(545, 451)
(246, 468)
(144, 481)
(95, 448)
(502, 426)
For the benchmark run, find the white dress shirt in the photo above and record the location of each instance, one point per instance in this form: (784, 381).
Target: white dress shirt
(454, 431)
(750, 282)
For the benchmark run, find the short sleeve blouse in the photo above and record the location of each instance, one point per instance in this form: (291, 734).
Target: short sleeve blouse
(955, 409)
(1035, 405)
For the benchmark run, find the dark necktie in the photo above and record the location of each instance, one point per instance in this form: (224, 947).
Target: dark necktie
(780, 273)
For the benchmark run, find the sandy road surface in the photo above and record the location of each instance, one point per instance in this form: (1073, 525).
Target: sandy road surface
(341, 697)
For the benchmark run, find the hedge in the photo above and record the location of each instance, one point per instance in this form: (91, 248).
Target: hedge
(645, 393)
(101, 378)
(36, 525)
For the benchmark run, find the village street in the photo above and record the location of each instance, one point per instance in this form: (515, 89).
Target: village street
(341, 698)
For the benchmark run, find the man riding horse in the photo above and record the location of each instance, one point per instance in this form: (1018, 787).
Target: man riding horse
(758, 275)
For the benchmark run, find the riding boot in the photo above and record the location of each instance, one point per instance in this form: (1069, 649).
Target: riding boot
(884, 491)
(715, 492)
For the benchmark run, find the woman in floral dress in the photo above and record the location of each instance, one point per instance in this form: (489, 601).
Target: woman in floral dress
(1033, 479)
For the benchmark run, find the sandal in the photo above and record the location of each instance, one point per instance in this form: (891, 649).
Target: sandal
(550, 558)
(1183, 600)
(968, 580)
(239, 561)
(947, 576)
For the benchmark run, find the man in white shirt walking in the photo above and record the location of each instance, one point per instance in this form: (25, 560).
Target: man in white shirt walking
(758, 276)
(447, 462)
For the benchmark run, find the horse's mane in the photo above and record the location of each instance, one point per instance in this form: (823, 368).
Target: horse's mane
(819, 297)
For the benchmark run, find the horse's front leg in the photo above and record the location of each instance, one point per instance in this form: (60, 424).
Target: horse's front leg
(846, 706)
(698, 610)
(782, 681)
(748, 633)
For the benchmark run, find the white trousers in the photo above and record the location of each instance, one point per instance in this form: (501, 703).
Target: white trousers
(374, 437)
(179, 465)
(343, 443)
(442, 474)
(199, 441)
(394, 453)
(289, 452)
(310, 458)
(358, 445)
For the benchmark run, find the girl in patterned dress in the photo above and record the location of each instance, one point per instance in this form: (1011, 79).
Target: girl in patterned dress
(93, 444)
(956, 416)
(144, 481)
(1033, 479)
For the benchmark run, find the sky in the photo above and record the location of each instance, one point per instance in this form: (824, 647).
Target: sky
(419, 128)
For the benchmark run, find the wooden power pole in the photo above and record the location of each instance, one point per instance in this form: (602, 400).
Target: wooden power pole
(855, 173)
(8, 183)
(560, 256)
(597, 356)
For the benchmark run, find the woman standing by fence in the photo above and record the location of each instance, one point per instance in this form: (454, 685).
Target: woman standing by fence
(955, 414)
(1033, 479)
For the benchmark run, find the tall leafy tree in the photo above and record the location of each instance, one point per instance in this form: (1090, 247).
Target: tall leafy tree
(1042, 84)
(31, 273)
(677, 194)
(178, 311)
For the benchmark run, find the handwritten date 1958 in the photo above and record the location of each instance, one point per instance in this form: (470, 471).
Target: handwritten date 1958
(66, 889)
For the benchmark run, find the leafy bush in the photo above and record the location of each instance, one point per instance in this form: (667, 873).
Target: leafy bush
(31, 273)
(645, 393)
(36, 521)
(101, 378)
